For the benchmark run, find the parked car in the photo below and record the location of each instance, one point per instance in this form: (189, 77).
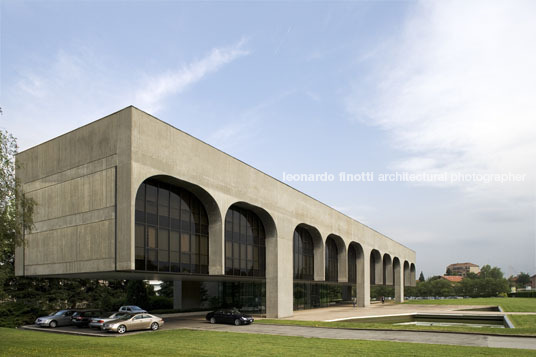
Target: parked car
(59, 318)
(83, 317)
(126, 323)
(229, 316)
(131, 308)
(98, 322)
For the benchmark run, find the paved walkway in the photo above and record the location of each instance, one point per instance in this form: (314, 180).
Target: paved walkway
(335, 313)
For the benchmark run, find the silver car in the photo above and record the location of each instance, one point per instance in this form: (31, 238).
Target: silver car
(143, 321)
(98, 322)
(59, 318)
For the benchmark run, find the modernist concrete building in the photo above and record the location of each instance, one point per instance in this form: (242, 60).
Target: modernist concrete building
(131, 197)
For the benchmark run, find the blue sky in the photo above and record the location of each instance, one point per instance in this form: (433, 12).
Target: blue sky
(311, 87)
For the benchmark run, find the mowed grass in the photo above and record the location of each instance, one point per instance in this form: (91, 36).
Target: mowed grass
(507, 304)
(523, 326)
(207, 343)
(523, 321)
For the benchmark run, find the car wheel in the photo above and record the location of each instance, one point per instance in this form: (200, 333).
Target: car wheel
(155, 326)
(212, 320)
(53, 324)
(122, 329)
(237, 322)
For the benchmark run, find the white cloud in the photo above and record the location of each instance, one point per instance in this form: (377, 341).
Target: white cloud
(457, 92)
(159, 87)
(58, 94)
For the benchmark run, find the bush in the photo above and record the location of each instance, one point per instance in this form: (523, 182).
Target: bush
(160, 303)
(13, 314)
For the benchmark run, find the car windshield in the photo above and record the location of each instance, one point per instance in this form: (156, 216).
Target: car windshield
(124, 317)
(61, 312)
(118, 315)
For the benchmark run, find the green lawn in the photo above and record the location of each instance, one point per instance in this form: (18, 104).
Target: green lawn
(524, 326)
(508, 304)
(208, 343)
(523, 321)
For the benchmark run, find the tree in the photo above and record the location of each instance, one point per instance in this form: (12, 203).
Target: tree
(488, 272)
(166, 289)
(16, 210)
(421, 277)
(523, 279)
(137, 293)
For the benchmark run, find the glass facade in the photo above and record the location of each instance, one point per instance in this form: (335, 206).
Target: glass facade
(245, 249)
(332, 260)
(303, 254)
(352, 262)
(310, 295)
(245, 296)
(171, 230)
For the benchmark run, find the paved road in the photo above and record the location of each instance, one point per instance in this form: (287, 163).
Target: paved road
(199, 323)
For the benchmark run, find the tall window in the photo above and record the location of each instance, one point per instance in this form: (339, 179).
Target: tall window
(171, 230)
(245, 250)
(352, 262)
(303, 254)
(332, 260)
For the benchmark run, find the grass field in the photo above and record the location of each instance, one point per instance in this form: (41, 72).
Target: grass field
(207, 343)
(507, 304)
(525, 325)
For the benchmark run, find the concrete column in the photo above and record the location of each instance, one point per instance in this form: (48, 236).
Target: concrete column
(363, 278)
(177, 294)
(399, 282)
(279, 273)
(216, 249)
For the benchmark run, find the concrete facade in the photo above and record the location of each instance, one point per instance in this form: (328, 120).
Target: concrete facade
(85, 183)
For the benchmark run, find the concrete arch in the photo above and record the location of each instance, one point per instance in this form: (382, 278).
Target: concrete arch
(387, 270)
(268, 222)
(407, 277)
(318, 244)
(376, 267)
(398, 276)
(342, 257)
(413, 281)
(215, 225)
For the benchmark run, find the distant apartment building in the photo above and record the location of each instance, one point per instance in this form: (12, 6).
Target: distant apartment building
(533, 281)
(463, 268)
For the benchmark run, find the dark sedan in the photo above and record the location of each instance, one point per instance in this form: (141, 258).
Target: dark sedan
(229, 316)
(83, 318)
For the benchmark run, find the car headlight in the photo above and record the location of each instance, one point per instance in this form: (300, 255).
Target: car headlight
(243, 318)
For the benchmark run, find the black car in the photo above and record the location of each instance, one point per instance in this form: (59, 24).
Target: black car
(229, 316)
(83, 318)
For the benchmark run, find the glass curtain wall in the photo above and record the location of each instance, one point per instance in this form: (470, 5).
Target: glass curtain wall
(245, 249)
(332, 260)
(171, 230)
(303, 255)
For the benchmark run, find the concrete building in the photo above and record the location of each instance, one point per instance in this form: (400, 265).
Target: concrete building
(463, 268)
(131, 197)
